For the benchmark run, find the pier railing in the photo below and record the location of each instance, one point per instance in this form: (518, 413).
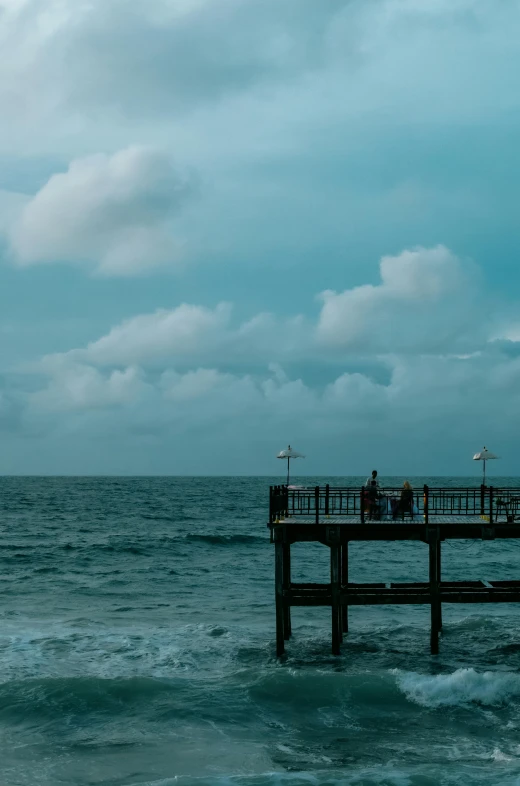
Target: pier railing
(319, 502)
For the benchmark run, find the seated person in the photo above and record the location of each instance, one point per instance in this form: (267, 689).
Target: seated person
(405, 503)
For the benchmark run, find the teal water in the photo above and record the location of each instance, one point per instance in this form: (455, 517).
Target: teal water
(137, 647)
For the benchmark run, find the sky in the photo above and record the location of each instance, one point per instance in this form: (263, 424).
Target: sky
(230, 225)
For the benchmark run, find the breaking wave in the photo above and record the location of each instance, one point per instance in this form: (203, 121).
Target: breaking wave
(462, 687)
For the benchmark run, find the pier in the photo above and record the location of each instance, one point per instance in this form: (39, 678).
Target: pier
(336, 517)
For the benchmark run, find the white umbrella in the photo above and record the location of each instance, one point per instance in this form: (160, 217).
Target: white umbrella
(484, 455)
(289, 454)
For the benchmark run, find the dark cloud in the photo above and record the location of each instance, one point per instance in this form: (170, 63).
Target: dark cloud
(147, 58)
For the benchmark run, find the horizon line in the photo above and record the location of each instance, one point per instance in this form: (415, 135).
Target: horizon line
(241, 475)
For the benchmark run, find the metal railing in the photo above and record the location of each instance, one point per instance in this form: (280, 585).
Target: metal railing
(321, 501)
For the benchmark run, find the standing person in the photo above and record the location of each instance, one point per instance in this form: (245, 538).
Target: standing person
(373, 500)
(372, 479)
(375, 492)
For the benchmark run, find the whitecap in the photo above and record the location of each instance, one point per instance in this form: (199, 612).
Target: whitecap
(462, 687)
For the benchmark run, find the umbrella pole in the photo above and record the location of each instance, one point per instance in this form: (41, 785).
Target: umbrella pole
(484, 470)
(288, 464)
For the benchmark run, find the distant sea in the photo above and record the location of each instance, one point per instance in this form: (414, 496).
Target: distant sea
(137, 647)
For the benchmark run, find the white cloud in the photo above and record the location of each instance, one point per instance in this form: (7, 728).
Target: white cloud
(414, 397)
(79, 387)
(424, 303)
(194, 384)
(465, 398)
(421, 308)
(179, 332)
(193, 333)
(112, 212)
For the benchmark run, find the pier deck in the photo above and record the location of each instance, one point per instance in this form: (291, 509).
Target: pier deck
(335, 517)
(419, 518)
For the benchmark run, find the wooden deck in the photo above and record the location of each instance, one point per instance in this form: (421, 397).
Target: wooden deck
(311, 515)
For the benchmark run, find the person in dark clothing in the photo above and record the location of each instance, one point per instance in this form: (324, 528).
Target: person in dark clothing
(372, 478)
(372, 495)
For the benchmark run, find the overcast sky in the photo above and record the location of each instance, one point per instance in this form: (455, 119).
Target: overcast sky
(226, 225)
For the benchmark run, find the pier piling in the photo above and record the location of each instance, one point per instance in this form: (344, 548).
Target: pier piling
(434, 591)
(335, 598)
(344, 586)
(286, 588)
(279, 599)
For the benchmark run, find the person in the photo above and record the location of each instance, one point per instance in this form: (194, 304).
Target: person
(372, 479)
(405, 503)
(373, 500)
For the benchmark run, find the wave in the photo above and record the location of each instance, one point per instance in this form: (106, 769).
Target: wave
(383, 775)
(462, 687)
(137, 546)
(70, 651)
(22, 701)
(224, 540)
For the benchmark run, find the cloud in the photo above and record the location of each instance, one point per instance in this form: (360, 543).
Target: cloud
(161, 56)
(309, 120)
(79, 387)
(114, 213)
(168, 375)
(424, 303)
(192, 333)
(423, 307)
(462, 398)
(179, 332)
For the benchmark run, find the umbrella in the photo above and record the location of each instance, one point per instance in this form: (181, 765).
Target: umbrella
(484, 455)
(289, 454)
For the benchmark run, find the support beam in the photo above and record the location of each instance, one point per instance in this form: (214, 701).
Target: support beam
(287, 587)
(336, 595)
(278, 581)
(344, 585)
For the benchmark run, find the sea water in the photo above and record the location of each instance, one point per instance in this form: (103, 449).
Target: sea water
(137, 647)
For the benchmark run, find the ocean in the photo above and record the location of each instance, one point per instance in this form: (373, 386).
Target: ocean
(137, 646)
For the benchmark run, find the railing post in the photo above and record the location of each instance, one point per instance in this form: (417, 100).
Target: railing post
(317, 503)
(362, 503)
(491, 504)
(425, 503)
(286, 500)
(271, 505)
(327, 493)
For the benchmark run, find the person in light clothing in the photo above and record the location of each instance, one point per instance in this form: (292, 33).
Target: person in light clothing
(405, 502)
